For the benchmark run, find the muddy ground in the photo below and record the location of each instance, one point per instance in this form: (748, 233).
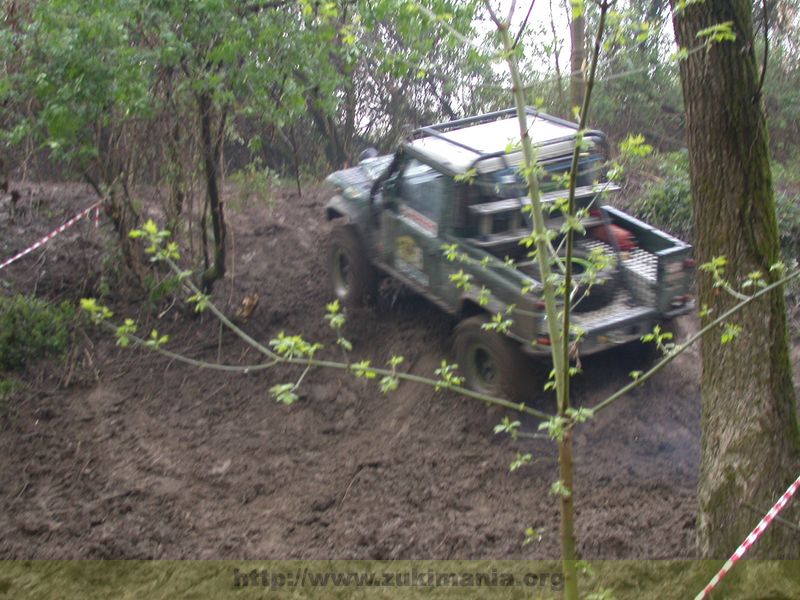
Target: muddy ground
(122, 453)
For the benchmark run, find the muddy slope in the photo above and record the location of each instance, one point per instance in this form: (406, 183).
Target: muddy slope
(143, 457)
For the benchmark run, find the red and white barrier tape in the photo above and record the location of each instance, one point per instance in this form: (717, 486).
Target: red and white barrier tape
(751, 539)
(94, 207)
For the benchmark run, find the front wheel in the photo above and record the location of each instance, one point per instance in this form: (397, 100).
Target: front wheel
(491, 363)
(353, 278)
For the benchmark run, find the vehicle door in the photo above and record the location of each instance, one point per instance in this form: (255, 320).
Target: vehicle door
(413, 220)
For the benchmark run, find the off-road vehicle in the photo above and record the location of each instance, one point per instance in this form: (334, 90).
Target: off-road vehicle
(457, 185)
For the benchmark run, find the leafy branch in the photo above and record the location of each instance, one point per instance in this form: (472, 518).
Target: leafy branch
(287, 349)
(680, 349)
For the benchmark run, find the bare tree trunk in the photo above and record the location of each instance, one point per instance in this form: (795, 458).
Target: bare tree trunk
(750, 442)
(577, 33)
(211, 148)
(124, 218)
(557, 62)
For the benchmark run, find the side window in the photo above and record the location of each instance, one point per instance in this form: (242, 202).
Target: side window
(422, 188)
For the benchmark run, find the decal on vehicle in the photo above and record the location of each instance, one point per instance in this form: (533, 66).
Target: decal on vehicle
(419, 221)
(409, 260)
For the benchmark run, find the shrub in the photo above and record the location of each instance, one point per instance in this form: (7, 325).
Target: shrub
(253, 184)
(667, 203)
(787, 204)
(31, 328)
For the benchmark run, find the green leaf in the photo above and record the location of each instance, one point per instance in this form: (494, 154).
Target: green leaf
(447, 376)
(388, 384)
(284, 393)
(362, 369)
(555, 427)
(634, 146)
(580, 415)
(200, 300)
(293, 346)
(507, 426)
(124, 332)
(156, 340)
(679, 55)
(97, 312)
(681, 5)
(531, 535)
(467, 176)
(721, 32)
(559, 489)
(520, 461)
(730, 333)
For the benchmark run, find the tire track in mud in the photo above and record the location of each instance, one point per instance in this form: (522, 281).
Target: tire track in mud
(160, 460)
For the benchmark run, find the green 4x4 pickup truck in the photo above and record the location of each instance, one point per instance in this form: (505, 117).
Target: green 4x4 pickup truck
(456, 185)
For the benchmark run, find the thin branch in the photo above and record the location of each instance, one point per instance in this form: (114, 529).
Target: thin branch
(777, 518)
(573, 179)
(605, 78)
(310, 362)
(511, 11)
(224, 319)
(524, 25)
(453, 31)
(765, 18)
(492, 15)
(202, 364)
(683, 347)
(532, 436)
(538, 226)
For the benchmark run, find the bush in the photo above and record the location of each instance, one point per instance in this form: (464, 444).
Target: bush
(31, 328)
(667, 203)
(253, 184)
(787, 204)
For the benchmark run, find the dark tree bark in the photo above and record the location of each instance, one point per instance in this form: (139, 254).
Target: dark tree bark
(577, 34)
(750, 442)
(212, 150)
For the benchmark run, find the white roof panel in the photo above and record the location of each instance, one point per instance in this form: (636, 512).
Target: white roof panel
(494, 136)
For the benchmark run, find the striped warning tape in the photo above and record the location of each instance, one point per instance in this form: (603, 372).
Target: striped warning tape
(751, 539)
(94, 207)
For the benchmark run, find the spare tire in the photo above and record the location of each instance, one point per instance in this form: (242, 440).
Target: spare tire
(601, 292)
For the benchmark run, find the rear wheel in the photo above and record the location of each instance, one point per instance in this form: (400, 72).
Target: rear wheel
(491, 363)
(353, 278)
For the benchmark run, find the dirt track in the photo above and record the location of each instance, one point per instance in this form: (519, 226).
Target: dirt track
(142, 457)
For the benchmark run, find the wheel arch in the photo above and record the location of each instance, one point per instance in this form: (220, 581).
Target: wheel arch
(470, 308)
(338, 208)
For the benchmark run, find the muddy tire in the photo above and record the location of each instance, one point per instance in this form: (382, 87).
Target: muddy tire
(490, 362)
(353, 279)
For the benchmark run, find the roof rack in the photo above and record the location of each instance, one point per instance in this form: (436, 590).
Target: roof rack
(488, 118)
(466, 156)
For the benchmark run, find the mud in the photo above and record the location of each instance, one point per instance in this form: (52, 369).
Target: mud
(122, 453)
